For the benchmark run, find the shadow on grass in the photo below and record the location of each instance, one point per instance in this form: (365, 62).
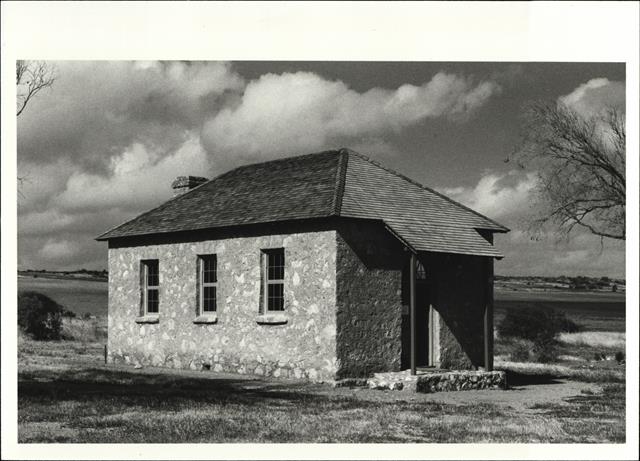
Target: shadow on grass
(98, 405)
(518, 378)
(166, 391)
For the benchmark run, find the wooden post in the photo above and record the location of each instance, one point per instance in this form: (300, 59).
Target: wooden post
(412, 289)
(105, 354)
(430, 333)
(488, 317)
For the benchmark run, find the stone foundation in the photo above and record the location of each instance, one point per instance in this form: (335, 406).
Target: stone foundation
(434, 381)
(221, 364)
(461, 381)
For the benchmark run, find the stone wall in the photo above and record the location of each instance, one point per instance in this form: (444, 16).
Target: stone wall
(369, 269)
(460, 301)
(303, 347)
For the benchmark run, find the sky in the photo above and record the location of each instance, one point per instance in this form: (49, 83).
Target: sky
(105, 142)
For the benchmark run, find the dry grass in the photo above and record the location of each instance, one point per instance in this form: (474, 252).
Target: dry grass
(66, 394)
(608, 339)
(85, 330)
(110, 405)
(571, 347)
(609, 405)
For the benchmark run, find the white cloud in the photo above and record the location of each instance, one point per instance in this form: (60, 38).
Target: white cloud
(96, 109)
(594, 96)
(138, 178)
(293, 112)
(58, 250)
(572, 258)
(44, 222)
(41, 182)
(497, 195)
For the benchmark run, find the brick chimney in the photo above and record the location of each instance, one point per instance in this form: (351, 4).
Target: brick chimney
(184, 184)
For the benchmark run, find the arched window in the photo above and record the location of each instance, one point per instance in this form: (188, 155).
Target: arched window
(421, 272)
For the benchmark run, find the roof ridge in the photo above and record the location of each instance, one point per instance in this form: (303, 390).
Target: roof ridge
(341, 178)
(422, 186)
(285, 159)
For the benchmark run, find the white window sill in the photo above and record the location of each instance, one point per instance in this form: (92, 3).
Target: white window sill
(149, 318)
(207, 319)
(272, 319)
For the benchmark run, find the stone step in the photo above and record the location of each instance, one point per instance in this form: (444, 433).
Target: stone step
(433, 381)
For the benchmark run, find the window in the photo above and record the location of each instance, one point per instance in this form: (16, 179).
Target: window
(208, 281)
(150, 286)
(273, 280)
(421, 272)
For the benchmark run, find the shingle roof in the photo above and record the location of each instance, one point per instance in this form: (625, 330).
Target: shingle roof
(332, 183)
(425, 219)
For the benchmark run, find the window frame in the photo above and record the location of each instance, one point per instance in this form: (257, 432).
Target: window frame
(266, 281)
(146, 287)
(202, 284)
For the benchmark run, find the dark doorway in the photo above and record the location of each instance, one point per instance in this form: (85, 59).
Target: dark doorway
(423, 301)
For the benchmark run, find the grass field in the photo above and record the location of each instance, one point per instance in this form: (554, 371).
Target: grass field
(78, 296)
(67, 394)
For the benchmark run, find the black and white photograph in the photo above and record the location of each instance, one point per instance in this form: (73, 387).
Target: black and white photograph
(337, 251)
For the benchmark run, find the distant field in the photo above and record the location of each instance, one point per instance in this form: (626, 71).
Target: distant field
(79, 296)
(595, 311)
(569, 296)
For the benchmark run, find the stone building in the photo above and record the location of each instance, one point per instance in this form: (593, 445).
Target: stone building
(320, 266)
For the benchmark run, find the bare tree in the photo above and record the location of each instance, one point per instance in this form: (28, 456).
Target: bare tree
(580, 163)
(31, 77)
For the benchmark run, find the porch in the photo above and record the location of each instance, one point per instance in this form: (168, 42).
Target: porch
(447, 318)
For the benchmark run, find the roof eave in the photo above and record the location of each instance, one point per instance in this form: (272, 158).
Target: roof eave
(397, 236)
(106, 237)
(501, 230)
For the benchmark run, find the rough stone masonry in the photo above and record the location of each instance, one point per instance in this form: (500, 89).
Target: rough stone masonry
(300, 344)
(342, 304)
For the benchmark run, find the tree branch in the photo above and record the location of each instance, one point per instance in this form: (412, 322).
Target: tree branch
(580, 165)
(31, 78)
